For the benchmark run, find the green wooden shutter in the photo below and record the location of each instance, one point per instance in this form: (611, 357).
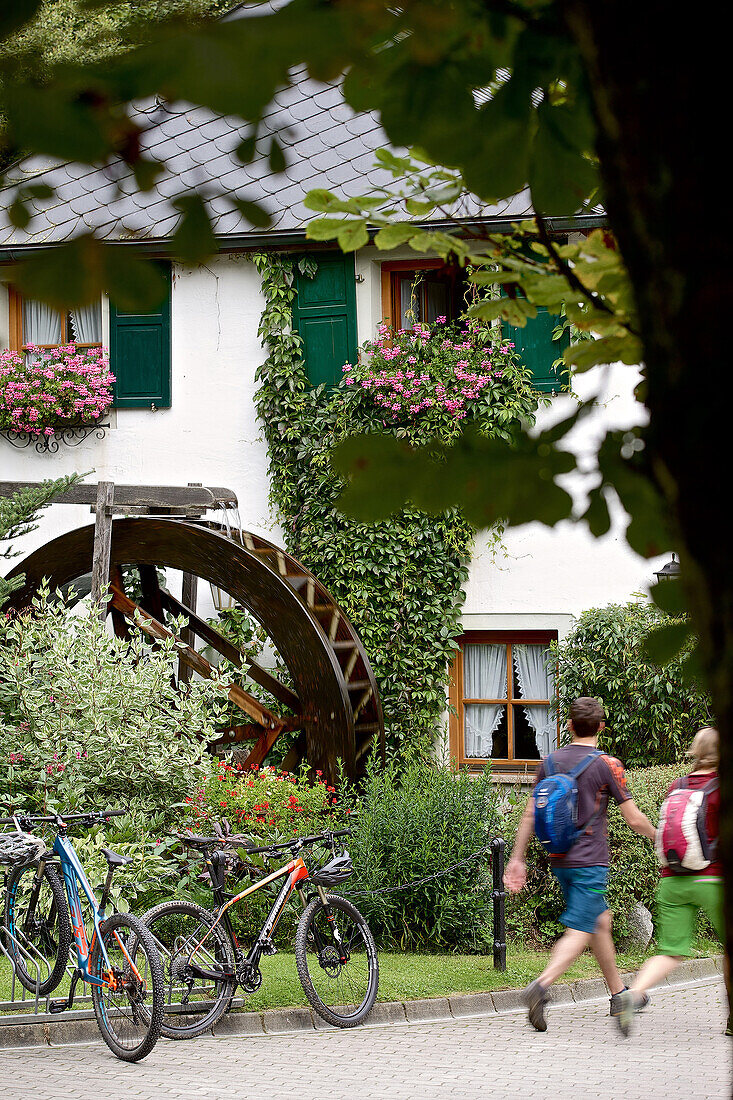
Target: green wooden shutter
(324, 315)
(538, 350)
(140, 356)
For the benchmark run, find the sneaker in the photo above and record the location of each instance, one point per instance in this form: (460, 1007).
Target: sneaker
(535, 998)
(729, 1026)
(625, 1011)
(639, 1006)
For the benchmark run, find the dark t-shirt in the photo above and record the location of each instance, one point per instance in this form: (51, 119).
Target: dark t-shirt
(602, 779)
(712, 821)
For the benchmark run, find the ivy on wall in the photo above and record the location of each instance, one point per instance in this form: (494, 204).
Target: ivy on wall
(401, 580)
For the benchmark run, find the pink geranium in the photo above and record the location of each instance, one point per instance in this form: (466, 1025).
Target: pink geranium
(61, 386)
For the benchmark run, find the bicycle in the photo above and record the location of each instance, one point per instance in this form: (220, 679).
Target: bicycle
(335, 952)
(43, 909)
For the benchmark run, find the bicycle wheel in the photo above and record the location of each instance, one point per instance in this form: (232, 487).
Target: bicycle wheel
(193, 1002)
(337, 961)
(129, 1005)
(39, 915)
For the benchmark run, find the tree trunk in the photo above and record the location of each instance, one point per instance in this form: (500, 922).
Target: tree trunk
(650, 68)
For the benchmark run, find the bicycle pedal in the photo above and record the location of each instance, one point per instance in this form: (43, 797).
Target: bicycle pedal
(58, 1006)
(268, 947)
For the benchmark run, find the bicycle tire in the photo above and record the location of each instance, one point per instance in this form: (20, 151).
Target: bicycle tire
(140, 1004)
(161, 921)
(331, 972)
(49, 932)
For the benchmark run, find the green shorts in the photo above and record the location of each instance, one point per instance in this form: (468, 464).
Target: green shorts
(679, 899)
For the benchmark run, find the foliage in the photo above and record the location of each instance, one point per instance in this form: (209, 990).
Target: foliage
(88, 720)
(409, 822)
(532, 915)
(441, 375)
(651, 712)
(63, 386)
(262, 802)
(399, 581)
(18, 515)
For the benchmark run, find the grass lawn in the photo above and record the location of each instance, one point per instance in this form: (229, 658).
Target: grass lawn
(404, 977)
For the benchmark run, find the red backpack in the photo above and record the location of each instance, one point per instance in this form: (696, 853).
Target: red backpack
(682, 841)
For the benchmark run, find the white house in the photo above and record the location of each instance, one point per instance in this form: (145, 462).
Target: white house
(184, 409)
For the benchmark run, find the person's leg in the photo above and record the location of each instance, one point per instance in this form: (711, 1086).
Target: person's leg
(654, 971)
(675, 928)
(567, 949)
(605, 953)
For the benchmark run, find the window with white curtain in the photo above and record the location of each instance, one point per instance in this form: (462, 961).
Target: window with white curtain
(38, 324)
(503, 690)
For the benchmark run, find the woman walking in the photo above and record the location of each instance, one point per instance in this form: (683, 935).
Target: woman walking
(687, 841)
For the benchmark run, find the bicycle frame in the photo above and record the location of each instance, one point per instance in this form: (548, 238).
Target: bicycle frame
(295, 871)
(73, 873)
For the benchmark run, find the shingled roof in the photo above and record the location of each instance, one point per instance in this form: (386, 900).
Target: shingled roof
(327, 145)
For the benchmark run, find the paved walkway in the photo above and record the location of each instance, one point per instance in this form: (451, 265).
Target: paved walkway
(581, 1057)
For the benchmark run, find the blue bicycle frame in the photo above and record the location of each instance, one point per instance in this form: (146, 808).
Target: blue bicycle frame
(74, 872)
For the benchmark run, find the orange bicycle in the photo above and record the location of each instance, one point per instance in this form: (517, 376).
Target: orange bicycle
(203, 961)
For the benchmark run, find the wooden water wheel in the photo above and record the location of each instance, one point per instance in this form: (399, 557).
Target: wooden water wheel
(333, 700)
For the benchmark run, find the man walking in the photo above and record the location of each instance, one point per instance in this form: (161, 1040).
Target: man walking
(582, 869)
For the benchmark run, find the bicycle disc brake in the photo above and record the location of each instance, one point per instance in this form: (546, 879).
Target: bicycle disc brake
(249, 977)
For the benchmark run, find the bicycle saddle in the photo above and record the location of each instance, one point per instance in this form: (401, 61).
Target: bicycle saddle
(114, 859)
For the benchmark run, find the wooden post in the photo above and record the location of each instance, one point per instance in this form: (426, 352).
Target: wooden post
(189, 592)
(102, 542)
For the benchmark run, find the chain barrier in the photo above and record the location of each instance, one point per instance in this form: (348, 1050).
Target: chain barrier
(498, 894)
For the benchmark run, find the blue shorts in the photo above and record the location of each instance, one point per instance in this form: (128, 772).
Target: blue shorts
(584, 890)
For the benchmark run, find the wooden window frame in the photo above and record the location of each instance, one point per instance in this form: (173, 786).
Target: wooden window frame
(15, 318)
(458, 702)
(390, 296)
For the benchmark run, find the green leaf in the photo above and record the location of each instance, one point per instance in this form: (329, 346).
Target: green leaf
(53, 121)
(276, 159)
(325, 229)
(193, 241)
(418, 207)
(607, 349)
(146, 173)
(393, 235)
(255, 214)
(19, 214)
(80, 271)
(665, 643)
(561, 176)
(596, 514)
(246, 149)
(354, 235)
(15, 14)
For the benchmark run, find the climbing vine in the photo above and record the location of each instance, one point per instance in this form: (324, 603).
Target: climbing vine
(401, 580)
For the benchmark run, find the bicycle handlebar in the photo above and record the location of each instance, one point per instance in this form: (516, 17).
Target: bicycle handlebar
(90, 816)
(241, 838)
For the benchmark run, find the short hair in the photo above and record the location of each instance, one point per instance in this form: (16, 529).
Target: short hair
(705, 749)
(586, 714)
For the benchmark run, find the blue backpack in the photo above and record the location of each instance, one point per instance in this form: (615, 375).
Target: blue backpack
(556, 806)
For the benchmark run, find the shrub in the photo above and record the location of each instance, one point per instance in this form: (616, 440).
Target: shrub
(411, 821)
(651, 713)
(532, 915)
(263, 802)
(63, 386)
(88, 720)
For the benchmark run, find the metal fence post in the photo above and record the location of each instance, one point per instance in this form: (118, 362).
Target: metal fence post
(498, 895)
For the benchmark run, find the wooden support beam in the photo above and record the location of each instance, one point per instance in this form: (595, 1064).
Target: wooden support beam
(189, 596)
(138, 496)
(227, 649)
(102, 541)
(155, 629)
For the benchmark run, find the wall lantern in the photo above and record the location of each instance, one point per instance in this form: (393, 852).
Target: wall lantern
(669, 571)
(222, 600)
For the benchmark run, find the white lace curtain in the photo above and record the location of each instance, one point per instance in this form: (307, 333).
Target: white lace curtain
(86, 324)
(484, 677)
(41, 325)
(536, 681)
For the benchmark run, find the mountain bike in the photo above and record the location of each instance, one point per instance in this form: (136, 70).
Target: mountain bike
(117, 957)
(203, 961)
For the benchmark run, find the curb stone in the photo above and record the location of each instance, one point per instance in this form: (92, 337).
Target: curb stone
(278, 1021)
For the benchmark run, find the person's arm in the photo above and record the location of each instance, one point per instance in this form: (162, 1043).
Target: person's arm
(515, 875)
(636, 820)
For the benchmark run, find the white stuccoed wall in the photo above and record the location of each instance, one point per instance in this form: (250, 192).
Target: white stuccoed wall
(211, 435)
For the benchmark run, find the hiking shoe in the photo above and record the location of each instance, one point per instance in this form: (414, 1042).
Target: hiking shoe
(535, 998)
(639, 1005)
(625, 1013)
(729, 1026)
